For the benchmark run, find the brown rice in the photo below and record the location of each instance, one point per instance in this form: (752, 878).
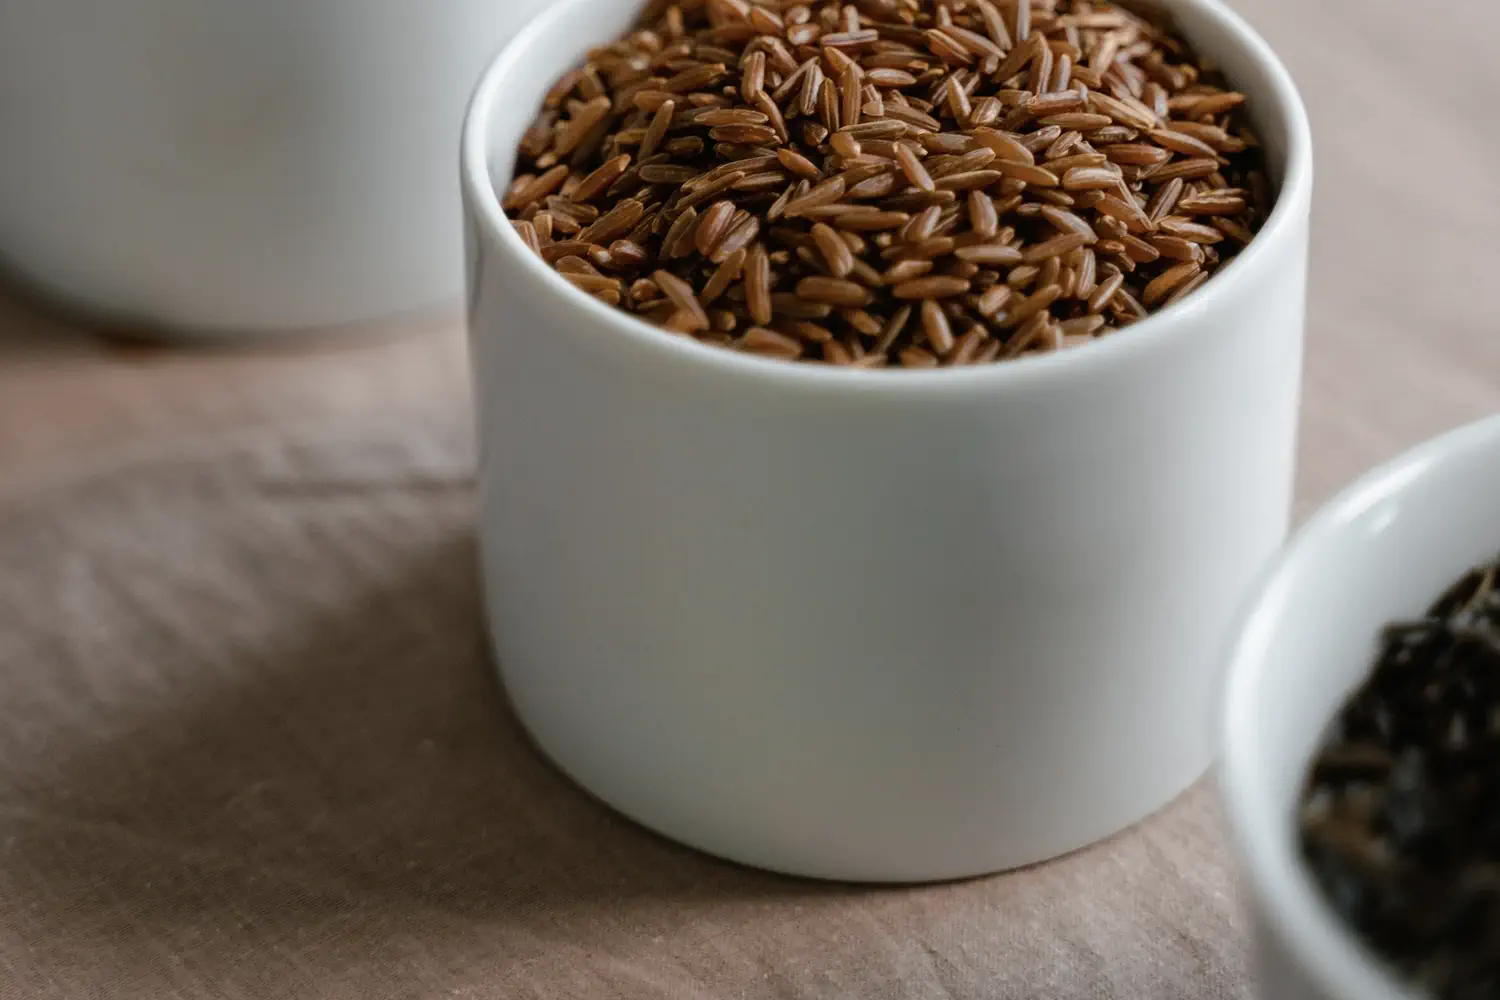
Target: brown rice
(799, 180)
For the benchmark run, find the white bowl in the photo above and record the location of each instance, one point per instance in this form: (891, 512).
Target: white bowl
(1384, 550)
(226, 166)
(875, 625)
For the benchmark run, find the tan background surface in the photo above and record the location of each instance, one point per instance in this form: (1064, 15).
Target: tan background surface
(249, 745)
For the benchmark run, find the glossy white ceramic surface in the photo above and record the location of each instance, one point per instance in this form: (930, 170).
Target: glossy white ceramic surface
(889, 626)
(1384, 550)
(239, 165)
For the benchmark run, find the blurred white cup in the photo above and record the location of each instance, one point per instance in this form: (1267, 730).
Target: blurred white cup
(223, 166)
(1383, 551)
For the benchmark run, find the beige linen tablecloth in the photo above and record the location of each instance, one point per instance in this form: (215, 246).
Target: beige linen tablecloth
(250, 745)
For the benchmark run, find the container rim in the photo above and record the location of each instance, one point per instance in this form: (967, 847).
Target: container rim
(1159, 332)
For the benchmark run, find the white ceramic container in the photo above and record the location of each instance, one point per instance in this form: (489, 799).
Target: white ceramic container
(1384, 550)
(885, 626)
(234, 166)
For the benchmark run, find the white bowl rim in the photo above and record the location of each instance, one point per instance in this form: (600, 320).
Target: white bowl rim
(1323, 947)
(1158, 332)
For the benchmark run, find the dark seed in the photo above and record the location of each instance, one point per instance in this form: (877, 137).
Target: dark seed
(1400, 816)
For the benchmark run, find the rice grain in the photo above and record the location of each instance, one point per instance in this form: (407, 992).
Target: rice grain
(936, 328)
(937, 286)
